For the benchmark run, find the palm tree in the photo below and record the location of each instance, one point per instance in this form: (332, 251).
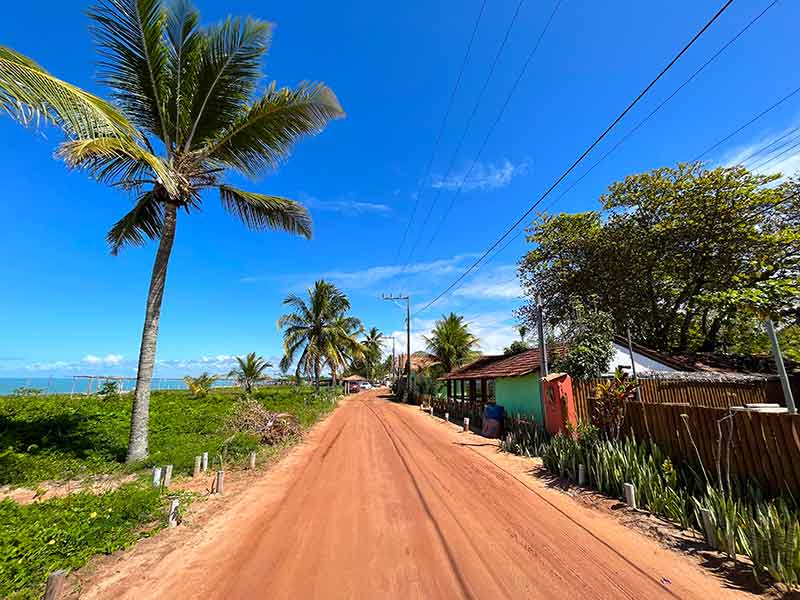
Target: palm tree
(249, 372)
(373, 348)
(185, 111)
(319, 332)
(200, 386)
(451, 342)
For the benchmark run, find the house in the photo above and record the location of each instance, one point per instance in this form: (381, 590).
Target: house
(509, 381)
(353, 382)
(645, 360)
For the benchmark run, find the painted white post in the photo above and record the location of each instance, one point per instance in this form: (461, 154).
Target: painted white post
(630, 494)
(172, 515)
(466, 424)
(708, 527)
(156, 476)
(252, 463)
(167, 475)
(581, 475)
(447, 416)
(198, 466)
(204, 462)
(220, 487)
(55, 585)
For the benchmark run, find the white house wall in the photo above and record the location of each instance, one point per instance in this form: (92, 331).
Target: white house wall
(643, 363)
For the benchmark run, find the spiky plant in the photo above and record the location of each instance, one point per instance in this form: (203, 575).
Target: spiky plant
(184, 111)
(250, 370)
(200, 386)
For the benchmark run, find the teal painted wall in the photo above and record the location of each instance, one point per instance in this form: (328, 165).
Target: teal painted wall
(520, 395)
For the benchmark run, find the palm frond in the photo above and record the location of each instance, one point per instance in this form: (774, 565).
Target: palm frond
(264, 136)
(29, 94)
(259, 212)
(130, 36)
(229, 68)
(185, 43)
(145, 221)
(111, 159)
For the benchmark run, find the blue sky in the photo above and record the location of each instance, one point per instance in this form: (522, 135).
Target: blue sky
(68, 306)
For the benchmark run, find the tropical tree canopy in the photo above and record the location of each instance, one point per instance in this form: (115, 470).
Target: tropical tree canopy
(319, 333)
(200, 386)
(250, 370)
(451, 342)
(185, 110)
(679, 254)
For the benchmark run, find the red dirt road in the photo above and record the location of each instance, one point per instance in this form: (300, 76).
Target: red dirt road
(385, 502)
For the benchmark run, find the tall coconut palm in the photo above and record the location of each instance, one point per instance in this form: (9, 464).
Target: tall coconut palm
(451, 342)
(184, 112)
(319, 333)
(249, 372)
(373, 348)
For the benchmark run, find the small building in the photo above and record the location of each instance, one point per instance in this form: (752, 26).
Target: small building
(646, 360)
(353, 383)
(509, 381)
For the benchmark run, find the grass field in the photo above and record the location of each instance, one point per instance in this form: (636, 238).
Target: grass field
(46, 438)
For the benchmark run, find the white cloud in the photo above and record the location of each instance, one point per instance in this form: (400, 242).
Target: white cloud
(499, 283)
(346, 207)
(372, 275)
(480, 176)
(781, 157)
(108, 359)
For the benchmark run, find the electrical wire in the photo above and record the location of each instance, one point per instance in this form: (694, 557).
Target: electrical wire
(580, 158)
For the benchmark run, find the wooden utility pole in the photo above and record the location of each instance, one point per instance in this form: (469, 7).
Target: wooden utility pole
(633, 364)
(542, 350)
(408, 338)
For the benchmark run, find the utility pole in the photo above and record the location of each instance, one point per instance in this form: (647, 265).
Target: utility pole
(542, 350)
(408, 338)
(633, 363)
(776, 353)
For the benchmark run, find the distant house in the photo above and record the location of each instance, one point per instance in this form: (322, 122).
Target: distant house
(510, 381)
(353, 383)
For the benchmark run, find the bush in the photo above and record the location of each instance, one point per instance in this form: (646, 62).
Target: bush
(65, 532)
(524, 437)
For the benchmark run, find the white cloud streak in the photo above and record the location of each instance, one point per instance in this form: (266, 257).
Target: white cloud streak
(480, 176)
(782, 157)
(346, 207)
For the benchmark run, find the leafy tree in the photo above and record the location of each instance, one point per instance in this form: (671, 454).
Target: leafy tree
(200, 386)
(588, 341)
(674, 253)
(520, 345)
(249, 372)
(451, 342)
(185, 110)
(319, 332)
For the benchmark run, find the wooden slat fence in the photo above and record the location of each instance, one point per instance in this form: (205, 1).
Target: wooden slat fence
(458, 409)
(764, 447)
(711, 393)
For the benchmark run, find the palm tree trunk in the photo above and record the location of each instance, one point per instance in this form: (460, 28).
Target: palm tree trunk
(137, 443)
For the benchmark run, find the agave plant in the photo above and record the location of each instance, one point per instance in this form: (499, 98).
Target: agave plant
(185, 110)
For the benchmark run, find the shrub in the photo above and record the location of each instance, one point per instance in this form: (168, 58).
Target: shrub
(524, 437)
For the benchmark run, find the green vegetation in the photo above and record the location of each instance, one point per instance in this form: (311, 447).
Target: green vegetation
(200, 386)
(320, 333)
(678, 253)
(588, 336)
(55, 437)
(249, 372)
(451, 342)
(189, 108)
(66, 532)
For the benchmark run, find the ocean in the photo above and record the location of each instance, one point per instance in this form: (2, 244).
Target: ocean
(67, 385)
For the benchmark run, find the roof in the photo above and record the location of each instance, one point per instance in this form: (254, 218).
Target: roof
(354, 378)
(664, 359)
(419, 361)
(493, 366)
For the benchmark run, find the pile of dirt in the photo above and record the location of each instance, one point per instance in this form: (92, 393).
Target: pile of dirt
(271, 427)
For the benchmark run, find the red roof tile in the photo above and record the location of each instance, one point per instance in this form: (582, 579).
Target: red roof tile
(490, 367)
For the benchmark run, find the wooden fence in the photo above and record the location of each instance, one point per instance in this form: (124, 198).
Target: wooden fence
(764, 447)
(714, 393)
(457, 409)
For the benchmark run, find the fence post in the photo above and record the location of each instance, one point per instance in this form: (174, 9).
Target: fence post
(167, 475)
(630, 495)
(173, 515)
(447, 416)
(204, 464)
(220, 487)
(581, 475)
(252, 462)
(708, 527)
(198, 463)
(156, 476)
(55, 584)
(466, 424)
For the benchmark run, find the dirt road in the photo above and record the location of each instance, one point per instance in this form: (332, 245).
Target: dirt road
(385, 502)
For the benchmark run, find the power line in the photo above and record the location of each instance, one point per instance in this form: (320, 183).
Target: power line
(494, 124)
(746, 125)
(467, 126)
(421, 188)
(764, 163)
(583, 155)
(764, 148)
